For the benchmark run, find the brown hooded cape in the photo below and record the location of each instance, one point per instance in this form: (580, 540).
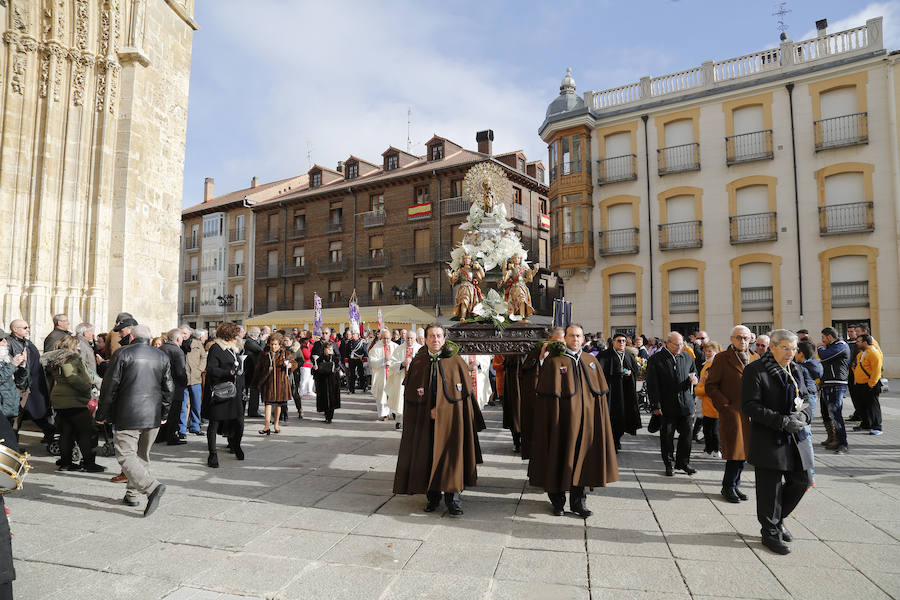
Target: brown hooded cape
(528, 377)
(440, 454)
(572, 442)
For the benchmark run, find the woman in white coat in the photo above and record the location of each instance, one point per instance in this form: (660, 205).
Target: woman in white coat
(400, 360)
(379, 361)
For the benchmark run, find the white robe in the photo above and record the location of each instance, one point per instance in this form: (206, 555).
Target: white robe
(397, 375)
(482, 376)
(379, 362)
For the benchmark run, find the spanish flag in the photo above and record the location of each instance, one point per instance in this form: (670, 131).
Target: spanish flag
(420, 210)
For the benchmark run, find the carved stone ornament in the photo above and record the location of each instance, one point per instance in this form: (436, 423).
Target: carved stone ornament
(81, 25)
(80, 63)
(484, 338)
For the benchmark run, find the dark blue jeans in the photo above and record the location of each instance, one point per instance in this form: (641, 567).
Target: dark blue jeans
(732, 477)
(833, 400)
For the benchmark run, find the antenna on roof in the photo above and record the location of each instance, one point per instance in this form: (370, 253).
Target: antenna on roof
(308, 154)
(780, 12)
(409, 129)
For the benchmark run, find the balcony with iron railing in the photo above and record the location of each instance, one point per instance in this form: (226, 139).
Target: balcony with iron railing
(188, 308)
(327, 265)
(335, 302)
(420, 256)
(295, 270)
(374, 218)
(191, 275)
(268, 271)
(684, 301)
(756, 227)
(679, 159)
(623, 304)
(237, 270)
(684, 234)
(296, 233)
(456, 206)
(618, 241)
(270, 236)
(616, 169)
(335, 226)
(191, 244)
(370, 260)
(845, 130)
(855, 217)
(237, 235)
(518, 212)
(757, 298)
(748, 147)
(846, 294)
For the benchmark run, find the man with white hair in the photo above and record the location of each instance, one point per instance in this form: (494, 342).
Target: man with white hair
(253, 346)
(380, 363)
(670, 376)
(400, 359)
(171, 433)
(86, 348)
(420, 336)
(762, 344)
(60, 330)
(135, 397)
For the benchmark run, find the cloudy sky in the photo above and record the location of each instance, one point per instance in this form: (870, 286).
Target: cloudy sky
(277, 82)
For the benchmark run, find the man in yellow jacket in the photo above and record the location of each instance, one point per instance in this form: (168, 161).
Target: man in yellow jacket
(867, 377)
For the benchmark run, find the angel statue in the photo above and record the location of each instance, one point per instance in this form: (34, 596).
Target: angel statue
(515, 275)
(468, 294)
(487, 200)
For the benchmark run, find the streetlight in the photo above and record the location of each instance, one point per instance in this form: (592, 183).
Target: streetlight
(402, 293)
(225, 301)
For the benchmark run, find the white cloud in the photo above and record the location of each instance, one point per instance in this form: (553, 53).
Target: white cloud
(890, 27)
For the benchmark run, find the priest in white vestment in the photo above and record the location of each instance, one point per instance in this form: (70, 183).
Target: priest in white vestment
(379, 362)
(400, 360)
(479, 371)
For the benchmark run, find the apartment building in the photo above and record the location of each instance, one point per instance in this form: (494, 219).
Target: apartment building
(761, 189)
(386, 228)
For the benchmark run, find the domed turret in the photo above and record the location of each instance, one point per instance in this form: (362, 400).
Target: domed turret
(567, 99)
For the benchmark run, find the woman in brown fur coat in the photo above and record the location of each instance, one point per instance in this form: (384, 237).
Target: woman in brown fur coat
(273, 376)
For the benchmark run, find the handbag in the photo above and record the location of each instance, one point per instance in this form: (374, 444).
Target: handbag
(654, 424)
(224, 391)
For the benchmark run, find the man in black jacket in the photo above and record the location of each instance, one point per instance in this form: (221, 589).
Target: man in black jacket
(774, 398)
(670, 376)
(620, 369)
(356, 352)
(135, 396)
(60, 330)
(252, 349)
(177, 364)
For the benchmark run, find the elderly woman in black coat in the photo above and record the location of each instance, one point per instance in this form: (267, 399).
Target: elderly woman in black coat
(223, 404)
(327, 375)
(775, 399)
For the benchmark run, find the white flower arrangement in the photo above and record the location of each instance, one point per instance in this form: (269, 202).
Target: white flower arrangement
(490, 248)
(494, 308)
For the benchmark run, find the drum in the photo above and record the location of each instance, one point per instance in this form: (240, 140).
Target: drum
(13, 468)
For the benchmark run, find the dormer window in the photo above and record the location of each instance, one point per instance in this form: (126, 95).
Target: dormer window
(351, 170)
(315, 179)
(391, 161)
(436, 152)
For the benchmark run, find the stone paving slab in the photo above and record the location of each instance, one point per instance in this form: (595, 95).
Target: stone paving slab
(310, 515)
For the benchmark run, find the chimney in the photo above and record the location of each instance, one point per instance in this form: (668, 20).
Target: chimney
(254, 181)
(340, 166)
(485, 141)
(208, 189)
(821, 27)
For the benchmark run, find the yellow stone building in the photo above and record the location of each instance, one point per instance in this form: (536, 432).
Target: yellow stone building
(93, 99)
(761, 189)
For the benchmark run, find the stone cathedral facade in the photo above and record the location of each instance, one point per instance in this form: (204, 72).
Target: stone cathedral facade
(93, 102)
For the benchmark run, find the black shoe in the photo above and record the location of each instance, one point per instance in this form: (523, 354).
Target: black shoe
(785, 534)
(153, 499)
(213, 461)
(742, 496)
(582, 511)
(398, 426)
(558, 511)
(239, 453)
(129, 501)
(687, 469)
(455, 511)
(328, 421)
(255, 416)
(176, 442)
(669, 471)
(94, 468)
(198, 432)
(842, 450)
(182, 436)
(69, 468)
(730, 494)
(775, 544)
(432, 506)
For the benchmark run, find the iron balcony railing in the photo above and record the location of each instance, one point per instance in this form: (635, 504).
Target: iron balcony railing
(326, 265)
(748, 147)
(237, 235)
(295, 233)
(295, 270)
(374, 218)
(684, 234)
(617, 168)
(456, 206)
(684, 301)
(677, 159)
(849, 293)
(191, 275)
(191, 244)
(619, 241)
(236, 270)
(271, 271)
(188, 308)
(756, 298)
(335, 227)
(846, 130)
(756, 227)
(623, 304)
(420, 256)
(379, 260)
(518, 212)
(846, 218)
(271, 235)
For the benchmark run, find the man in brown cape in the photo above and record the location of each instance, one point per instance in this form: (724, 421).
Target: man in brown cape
(439, 446)
(572, 443)
(528, 378)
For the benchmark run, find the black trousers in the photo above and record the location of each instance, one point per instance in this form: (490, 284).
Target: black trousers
(710, 434)
(777, 494)
(356, 375)
(169, 431)
(576, 498)
(451, 499)
(732, 477)
(253, 402)
(868, 407)
(234, 433)
(76, 424)
(668, 427)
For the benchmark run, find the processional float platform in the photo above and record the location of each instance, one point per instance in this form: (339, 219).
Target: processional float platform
(484, 338)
